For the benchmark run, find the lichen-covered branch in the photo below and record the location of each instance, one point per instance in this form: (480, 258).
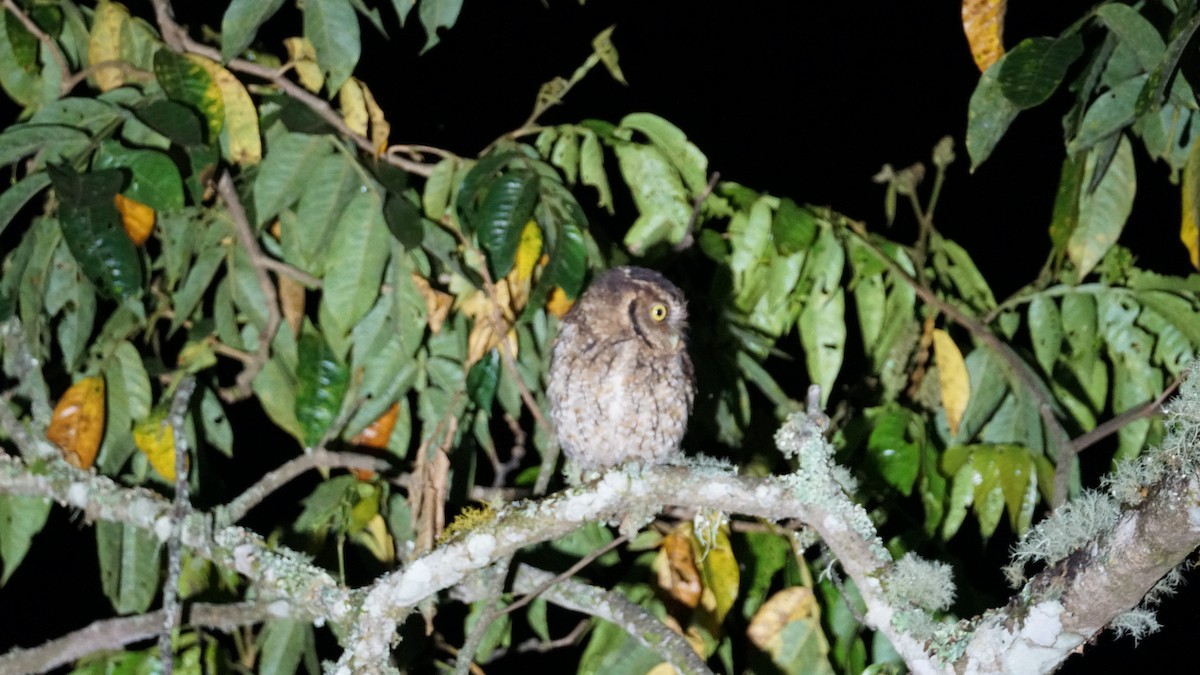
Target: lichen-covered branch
(1104, 566)
(108, 634)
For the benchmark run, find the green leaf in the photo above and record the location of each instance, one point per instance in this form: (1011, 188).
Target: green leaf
(823, 319)
(286, 172)
(93, 231)
(591, 169)
(275, 387)
(322, 380)
(285, 643)
(354, 265)
(241, 22)
(218, 432)
(1046, 331)
(483, 378)
(20, 519)
(1111, 112)
(1032, 70)
(1175, 309)
(134, 382)
(403, 7)
(962, 494)
(507, 205)
(1161, 76)
(870, 293)
(794, 228)
(70, 293)
(435, 14)
(154, 178)
(662, 202)
(87, 114)
(749, 241)
(687, 159)
(129, 566)
(1134, 32)
(989, 115)
(436, 196)
(18, 195)
(188, 82)
(334, 180)
(954, 263)
(1102, 214)
(203, 270)
(332, 27)
(565, 154)
(891, 451)
(55, 141)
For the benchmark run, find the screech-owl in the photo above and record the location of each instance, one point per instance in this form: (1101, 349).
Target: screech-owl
(621, 383)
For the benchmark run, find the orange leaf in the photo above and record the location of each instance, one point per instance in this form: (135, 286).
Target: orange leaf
(952, 374)
(983, 22)
(77, 424)
(437, 303)
(1189, 233)
(559, 304)
(137, 218)
(156, 439)
(292, 296)
(377, 433)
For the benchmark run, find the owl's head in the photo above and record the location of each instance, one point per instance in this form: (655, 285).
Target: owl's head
(647, 304)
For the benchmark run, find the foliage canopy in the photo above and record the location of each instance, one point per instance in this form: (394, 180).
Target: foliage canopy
(210, 243)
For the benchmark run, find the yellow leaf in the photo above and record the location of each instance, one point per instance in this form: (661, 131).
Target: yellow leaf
(437, 303)
(528, 252)
(380, 128)
(375, 538)
(1189, 232)
(104, 43)
(952, 374)
(719, 572)
(354, 107)
(156, 439)
(304, 59)
(676, 569)
(489, 327)
(795, 603)
(241, 117)
(559, 304)
(983, 23)
(138, 218)
(77, 424)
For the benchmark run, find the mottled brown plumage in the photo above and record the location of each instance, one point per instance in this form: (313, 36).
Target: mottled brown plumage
(621, 384)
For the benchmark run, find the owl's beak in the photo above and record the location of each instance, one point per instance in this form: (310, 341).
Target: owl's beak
(676, 341)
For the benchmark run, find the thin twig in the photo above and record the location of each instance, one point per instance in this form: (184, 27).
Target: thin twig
(1112, 426)
(51, 45)
(465, 657)
(181, 506)
(27, 445)
(109, 634)
(282, 268)
(688, 239)
(245, 234)
(567, 574)
(273, 480)
(130, 71)
(571, 638)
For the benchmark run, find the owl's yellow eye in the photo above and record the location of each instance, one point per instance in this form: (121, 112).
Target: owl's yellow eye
(658, 311)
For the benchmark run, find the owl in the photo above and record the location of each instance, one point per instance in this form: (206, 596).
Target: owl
(621, 384)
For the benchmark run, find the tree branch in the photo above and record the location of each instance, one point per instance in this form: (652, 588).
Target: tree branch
(109, 634)
(272, 481)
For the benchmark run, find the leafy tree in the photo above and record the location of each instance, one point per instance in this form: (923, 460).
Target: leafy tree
(211, 246)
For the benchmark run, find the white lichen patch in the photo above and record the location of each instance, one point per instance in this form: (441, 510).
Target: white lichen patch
(714, 491)
(77, 494)
(480, 548)
(162, 528)
(922, 583)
